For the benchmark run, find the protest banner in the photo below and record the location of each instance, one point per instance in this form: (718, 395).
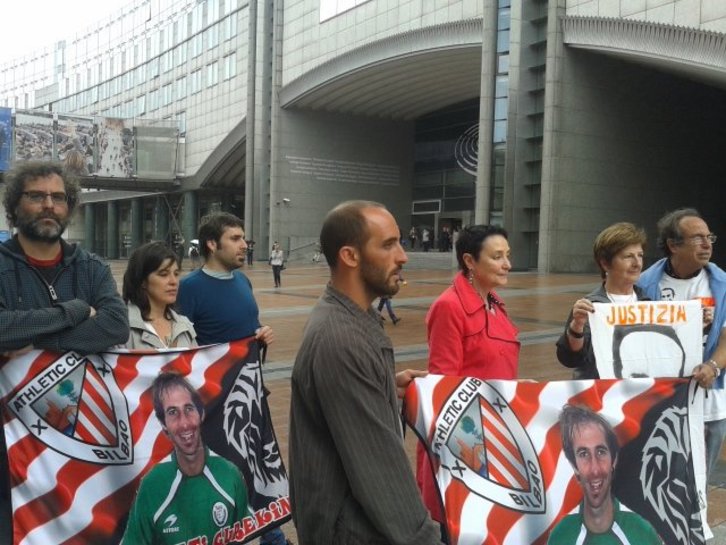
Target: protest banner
(496, 452)
(647, 338)
(81, 433)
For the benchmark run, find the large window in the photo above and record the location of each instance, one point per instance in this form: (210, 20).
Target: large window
(181, 88)
(212, 74)
(195, 81)
(141, 105)
(153, 100)
(181, 54)
(181, 118)
(167, 94)
(230, 66)
(167, 61)
(438, 172)
(197, 45)
(212, 36)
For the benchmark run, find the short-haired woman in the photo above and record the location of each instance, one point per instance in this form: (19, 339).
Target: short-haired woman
(618, 252)
(469, 332)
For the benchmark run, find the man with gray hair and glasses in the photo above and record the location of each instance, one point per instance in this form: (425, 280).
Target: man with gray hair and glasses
(53, 295)
(687, 273)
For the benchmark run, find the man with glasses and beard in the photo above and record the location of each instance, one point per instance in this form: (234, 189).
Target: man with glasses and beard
(350, 478)
(53, 295)
(686, 272)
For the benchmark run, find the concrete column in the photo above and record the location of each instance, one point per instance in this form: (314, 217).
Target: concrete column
(89, 227)
(190, 211)
(263, 213)
(137, 223)
(161, 220)
(482, 205)
(250, 229)
(553, 103)
(112, 230)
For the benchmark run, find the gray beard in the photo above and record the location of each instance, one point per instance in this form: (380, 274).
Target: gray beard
(33, 231)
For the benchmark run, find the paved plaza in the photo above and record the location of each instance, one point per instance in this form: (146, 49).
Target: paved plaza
(538, 305)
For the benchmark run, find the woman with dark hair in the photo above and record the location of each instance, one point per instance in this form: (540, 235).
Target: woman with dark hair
(150, 286)
(469, 332)
(618, 252)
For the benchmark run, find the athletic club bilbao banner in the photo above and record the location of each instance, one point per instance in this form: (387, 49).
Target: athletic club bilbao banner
(506, 477)
(647, 338)
(81, 433)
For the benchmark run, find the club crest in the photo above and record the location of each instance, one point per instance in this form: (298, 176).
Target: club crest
(220, 514)
(75, 407)
(481, 443)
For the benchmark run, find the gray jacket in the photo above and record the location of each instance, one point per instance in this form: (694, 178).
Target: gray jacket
(55, 316)
(182, 332)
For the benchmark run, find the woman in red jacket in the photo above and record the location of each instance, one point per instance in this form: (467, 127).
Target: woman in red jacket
(469, 332)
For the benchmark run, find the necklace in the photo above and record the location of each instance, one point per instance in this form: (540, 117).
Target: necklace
(621, 298)
(163, 328)
(488, 301)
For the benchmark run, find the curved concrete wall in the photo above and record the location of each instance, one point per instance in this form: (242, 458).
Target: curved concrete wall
(307, 42)
(629, 143)
(700, 14)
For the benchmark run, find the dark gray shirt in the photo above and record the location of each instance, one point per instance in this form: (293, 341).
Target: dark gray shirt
(350, 479)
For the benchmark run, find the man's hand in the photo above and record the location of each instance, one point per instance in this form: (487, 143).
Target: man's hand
(92, 313)
(705, 374)
(707, 316)
(10, 354)
(265, 334)
(404, 378)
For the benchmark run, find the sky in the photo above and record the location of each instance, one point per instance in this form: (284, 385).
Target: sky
(30, 25)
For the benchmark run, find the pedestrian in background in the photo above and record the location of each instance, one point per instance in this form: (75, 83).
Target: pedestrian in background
(277, 262)
(385, 300)
(194, 253)
(412, 236)
(250, 252)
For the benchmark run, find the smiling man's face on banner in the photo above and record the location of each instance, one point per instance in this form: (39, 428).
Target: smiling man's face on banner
(594, 464)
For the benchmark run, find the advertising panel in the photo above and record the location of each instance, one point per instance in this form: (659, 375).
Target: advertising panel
(75, 141)
(5, 138)
(115, 147)
(33, 136)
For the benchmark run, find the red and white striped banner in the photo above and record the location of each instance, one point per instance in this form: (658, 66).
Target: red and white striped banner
(496, 453)
(81, 432)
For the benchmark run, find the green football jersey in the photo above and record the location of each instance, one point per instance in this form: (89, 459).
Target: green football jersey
(628, 528)
(174, 509)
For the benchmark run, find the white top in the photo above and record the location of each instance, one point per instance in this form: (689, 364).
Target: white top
(678, 289)
(276, 257)
(617, 298)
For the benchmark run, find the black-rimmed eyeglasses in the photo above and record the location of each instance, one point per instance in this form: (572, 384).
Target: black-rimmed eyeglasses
(38, 197)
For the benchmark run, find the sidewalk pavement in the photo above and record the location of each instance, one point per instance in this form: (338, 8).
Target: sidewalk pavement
(537, 303)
